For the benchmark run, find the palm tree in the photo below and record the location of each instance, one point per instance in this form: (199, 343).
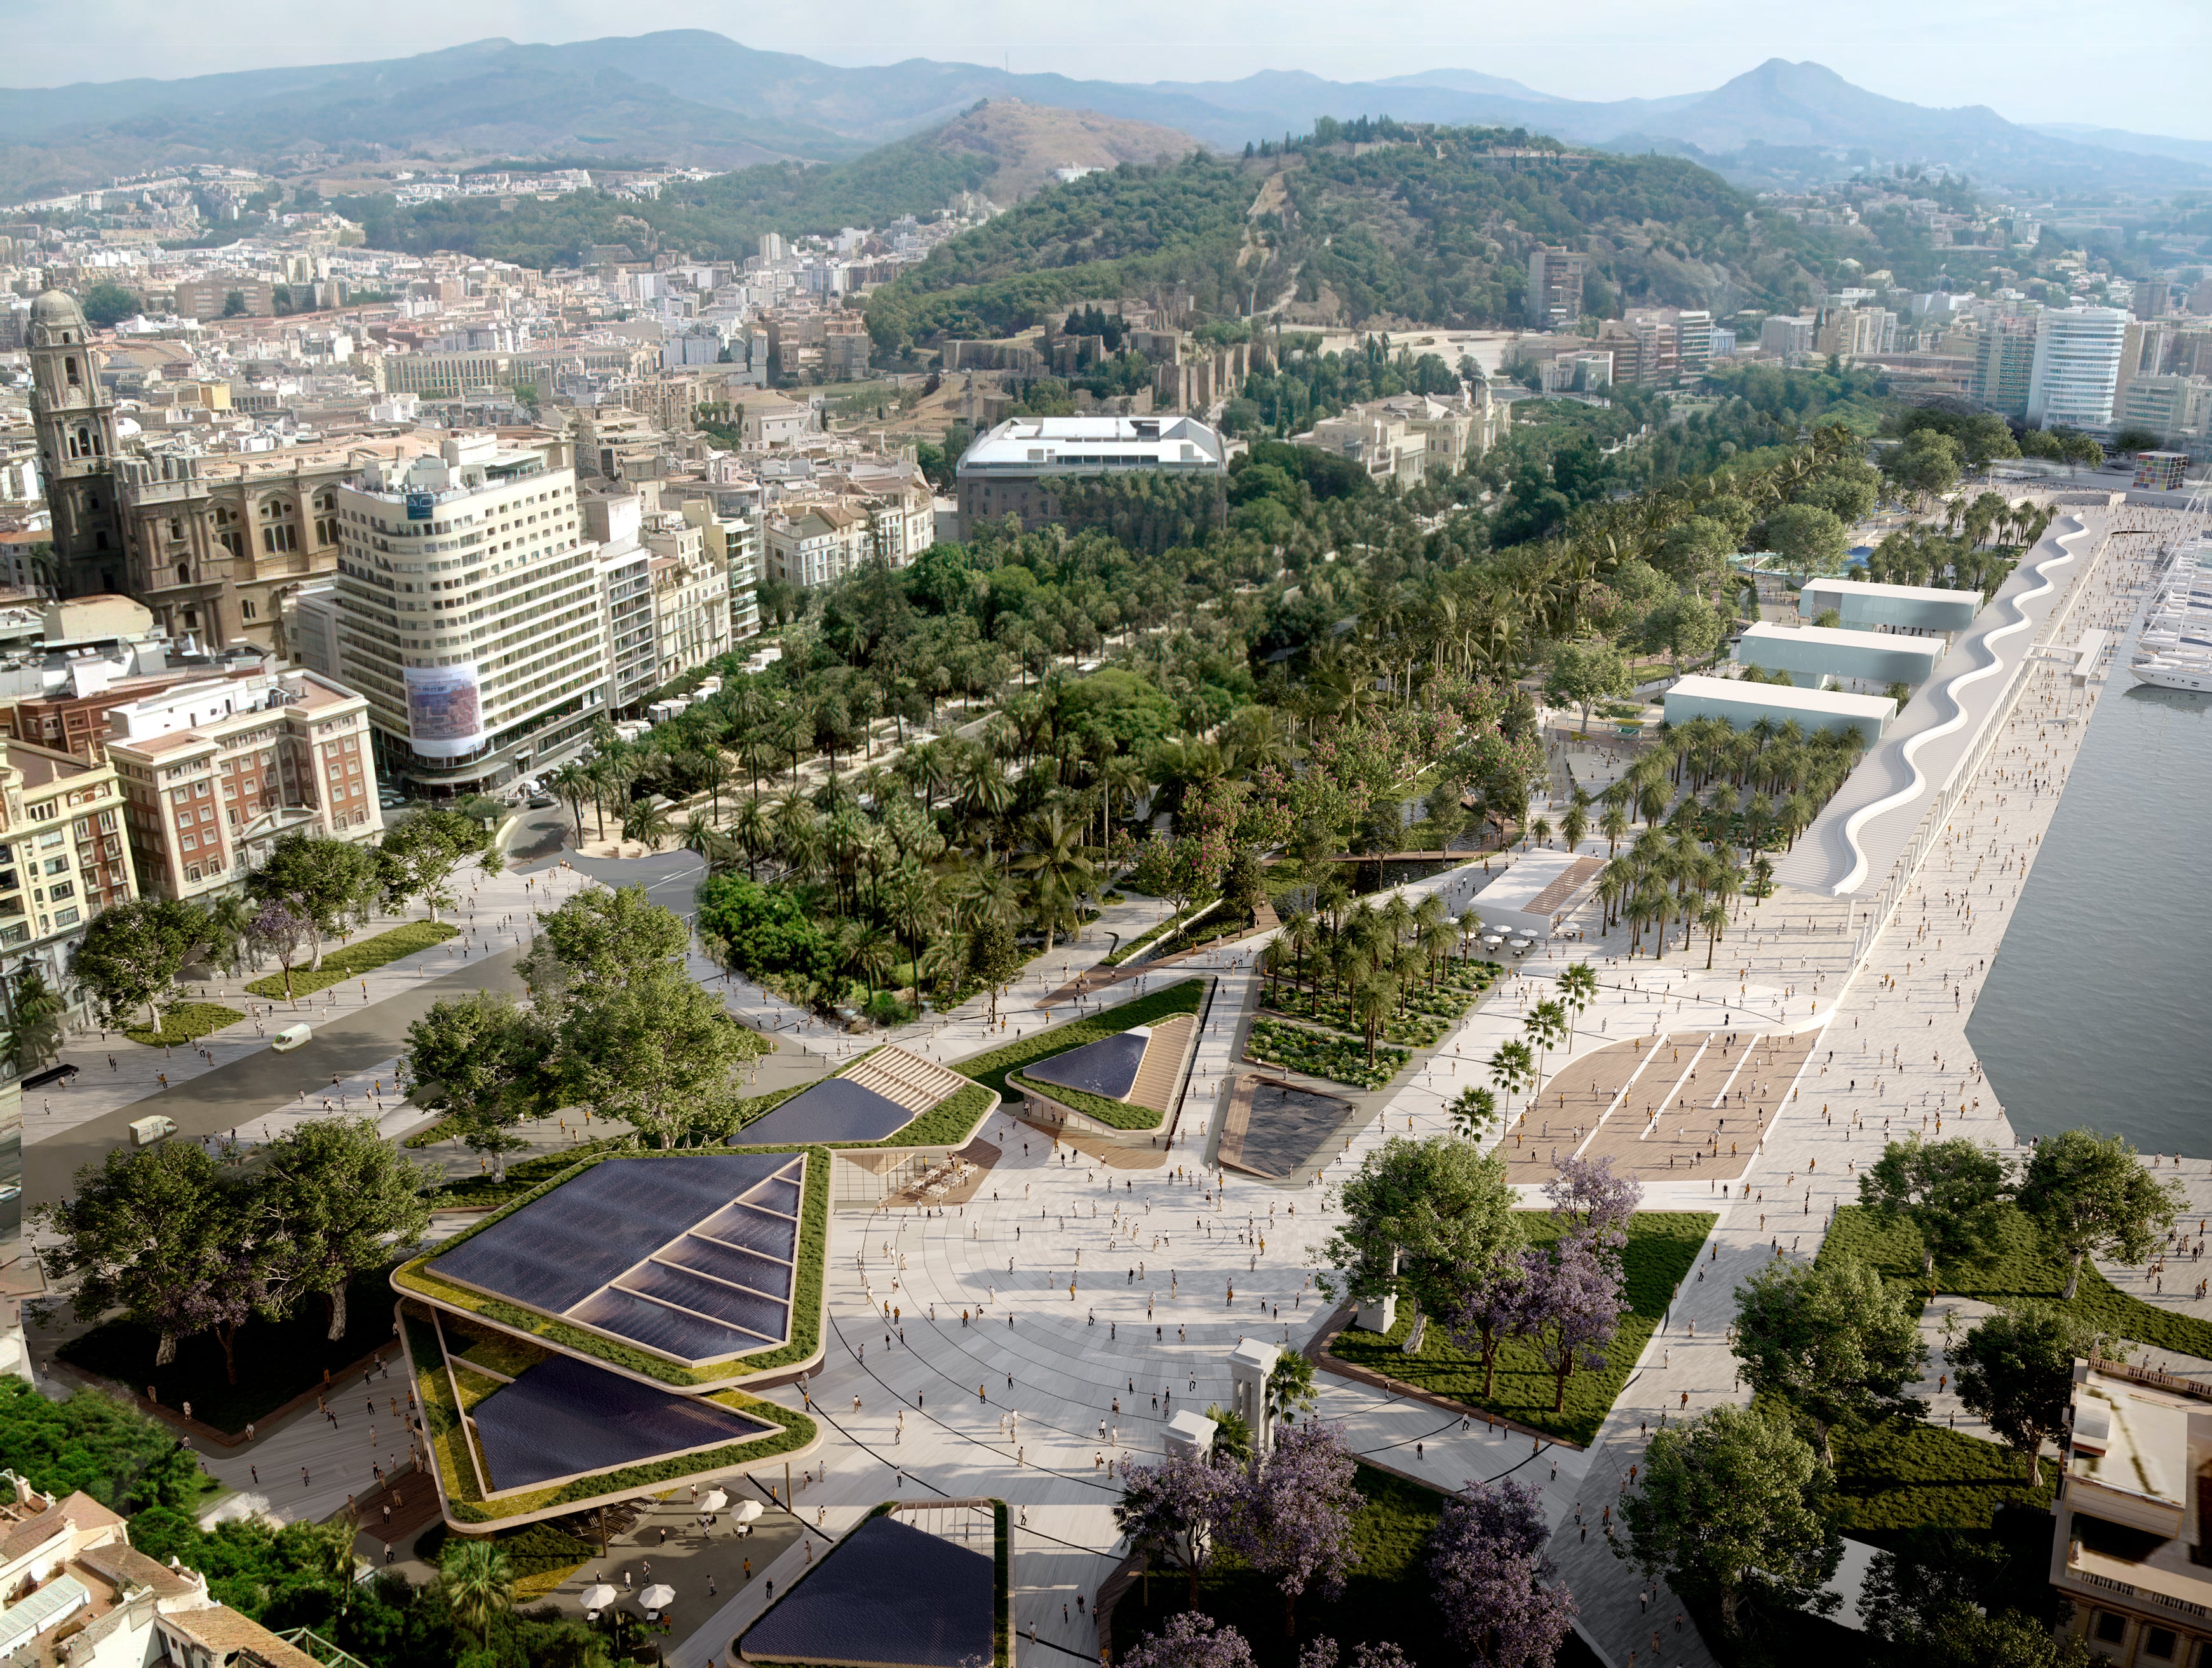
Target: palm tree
(1056, 863)
(875, 953)
(1471, 1111)
(477, 1583)
(1714, 918)
(1573, 825)
(711, 771)
(1577, 989)
(1511, 1066)
(646, 822)
(573, 783)
(1371, 1005)
(754, 833)
(943, 960)
(1546, 1024)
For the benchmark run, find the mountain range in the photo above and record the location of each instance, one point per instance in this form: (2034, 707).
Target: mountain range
(698, 98)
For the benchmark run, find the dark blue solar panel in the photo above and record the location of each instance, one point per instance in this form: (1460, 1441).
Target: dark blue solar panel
(562, 1417)
(778, 1195)
(656, 1326)
(835, 1108)
(554, 1252)
(890, 1593)
(763, 1316)
(1107, 1067)
(741, 1267)
(761, 1230)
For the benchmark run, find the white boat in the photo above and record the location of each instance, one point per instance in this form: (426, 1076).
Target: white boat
(2174, 648)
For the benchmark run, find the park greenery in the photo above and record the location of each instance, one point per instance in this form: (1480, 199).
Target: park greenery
(612, 1022)
(308, 889)
(179, 1243)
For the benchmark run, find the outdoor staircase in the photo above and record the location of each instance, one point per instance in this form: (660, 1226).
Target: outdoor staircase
(906, 1079)
(1158, 1072)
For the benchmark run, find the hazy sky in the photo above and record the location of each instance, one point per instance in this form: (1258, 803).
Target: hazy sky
(2139, 66)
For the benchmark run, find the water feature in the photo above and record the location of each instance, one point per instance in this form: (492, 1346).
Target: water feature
(2095, 1011)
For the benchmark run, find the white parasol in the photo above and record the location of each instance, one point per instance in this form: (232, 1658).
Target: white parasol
(658, 1597)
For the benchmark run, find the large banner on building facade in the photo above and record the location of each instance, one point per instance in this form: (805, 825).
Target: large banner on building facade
(445, 710)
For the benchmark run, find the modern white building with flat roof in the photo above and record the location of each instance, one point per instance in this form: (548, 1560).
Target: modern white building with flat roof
(1012, 469)
(1821, 651)
(1536, 891)
(1742, 705)
(1864, 605)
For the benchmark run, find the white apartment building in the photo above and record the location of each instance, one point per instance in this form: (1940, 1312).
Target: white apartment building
(471, 616)
(690, 596)
(624, 566)
(2077, 366)
(213, 772)
(735, 541)
(811, 543)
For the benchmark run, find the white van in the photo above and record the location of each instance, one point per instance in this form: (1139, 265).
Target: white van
(290, 1038)
(145, 1131)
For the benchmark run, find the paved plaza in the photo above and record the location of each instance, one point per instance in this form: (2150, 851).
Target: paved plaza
(1031, 1341)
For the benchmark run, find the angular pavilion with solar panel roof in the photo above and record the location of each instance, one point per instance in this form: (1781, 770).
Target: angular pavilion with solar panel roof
(589, 1341)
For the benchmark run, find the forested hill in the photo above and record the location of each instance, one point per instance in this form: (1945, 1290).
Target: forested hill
(718, 218)
(1002, 147)
(1431, 224)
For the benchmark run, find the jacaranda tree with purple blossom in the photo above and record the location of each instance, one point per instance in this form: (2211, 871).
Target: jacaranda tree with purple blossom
(1191, 1641)
(1590, 1197)
(1493, 1306)
(1174, 1509)
(1293, 1520)
(1573, 1307)
(1494, 1585)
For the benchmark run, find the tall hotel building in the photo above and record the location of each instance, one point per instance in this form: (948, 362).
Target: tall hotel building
(468, 612)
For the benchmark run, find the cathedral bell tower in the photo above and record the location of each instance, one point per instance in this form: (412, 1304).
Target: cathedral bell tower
(75, 424)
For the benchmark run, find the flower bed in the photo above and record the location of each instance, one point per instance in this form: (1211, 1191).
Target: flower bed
(1323, 1054)
(1416, 1030)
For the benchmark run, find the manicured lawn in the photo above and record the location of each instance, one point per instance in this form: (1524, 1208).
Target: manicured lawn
(1662, 1246)
(1115, 1114)
(186, 1022)
(1896, 1475)
(2018, 1266)
(521, 1177)
(350, 961)
(991, 1069)
(277, 1359)
(1323, 1054)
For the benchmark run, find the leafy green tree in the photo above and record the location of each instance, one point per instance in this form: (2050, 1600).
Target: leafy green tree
(164, 1234)
(2016, 1369)
(993, 958)
(1734, 1505)
(1583, 674)
(107, 305)
(418, 857)
(1953, 1191)
(487, 1062)
(131, 954)
(334, 1199)
(95, 1443)
(1695, 553)
(2088, 1193)
(1418, 1217)
(1686, 627)
(1829, 1339)
(327, 883)
(1808, 538)
(1926, 463)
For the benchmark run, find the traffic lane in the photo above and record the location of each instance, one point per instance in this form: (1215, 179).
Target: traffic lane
(217, 1101)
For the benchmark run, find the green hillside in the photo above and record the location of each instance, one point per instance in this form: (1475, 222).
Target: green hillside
(722, 217)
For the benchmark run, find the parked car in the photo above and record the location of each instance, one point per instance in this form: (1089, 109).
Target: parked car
(541, 802)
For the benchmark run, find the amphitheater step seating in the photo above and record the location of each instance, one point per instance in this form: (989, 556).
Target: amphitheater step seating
(1162, 1065)
(906, 1079)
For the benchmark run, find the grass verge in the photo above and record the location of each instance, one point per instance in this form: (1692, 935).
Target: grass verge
(2017, 1268)
(1662, 1245)
(1114, 1114)
(184, 1022)
(990, 1069)
(350, 961)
